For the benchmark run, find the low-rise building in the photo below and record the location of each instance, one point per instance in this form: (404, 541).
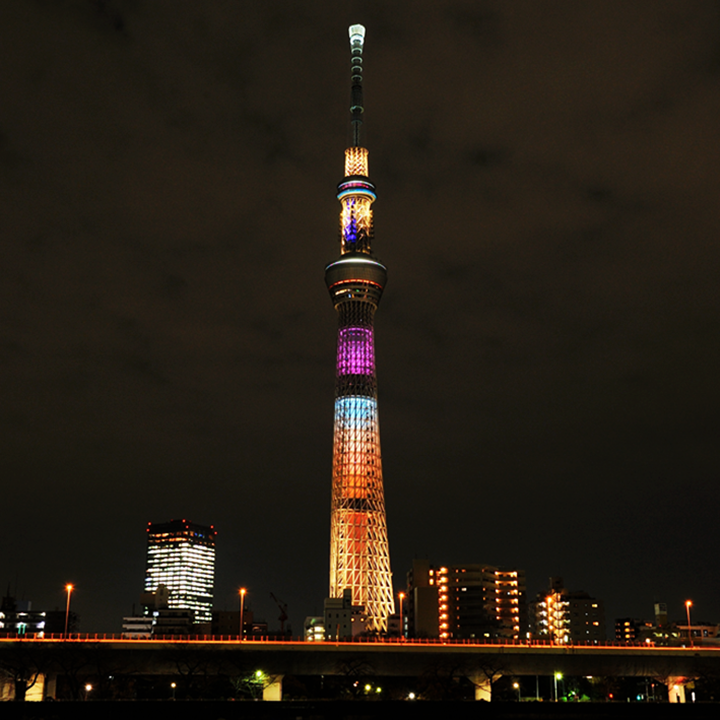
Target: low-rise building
(314, 629)
(18, 618)
(342, 618)
(565, 616)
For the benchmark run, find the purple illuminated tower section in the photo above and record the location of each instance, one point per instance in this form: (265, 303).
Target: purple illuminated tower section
(359, 555)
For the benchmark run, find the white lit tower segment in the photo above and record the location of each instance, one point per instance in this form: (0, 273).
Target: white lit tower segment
(181, 556)
(359, 555)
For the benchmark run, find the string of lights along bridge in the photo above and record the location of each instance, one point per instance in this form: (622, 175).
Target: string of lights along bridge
(359, 554)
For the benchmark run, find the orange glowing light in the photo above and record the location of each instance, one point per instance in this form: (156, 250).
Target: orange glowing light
(356, 161)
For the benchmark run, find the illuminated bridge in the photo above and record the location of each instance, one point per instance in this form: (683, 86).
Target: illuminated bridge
(87, 655)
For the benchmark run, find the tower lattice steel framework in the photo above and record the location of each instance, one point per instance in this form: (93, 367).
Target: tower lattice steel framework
(359, 554)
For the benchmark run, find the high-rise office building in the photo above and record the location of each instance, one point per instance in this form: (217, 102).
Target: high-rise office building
(181, 556)
(359, 555)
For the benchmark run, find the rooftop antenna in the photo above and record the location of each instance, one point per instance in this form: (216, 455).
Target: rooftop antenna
(357, 39)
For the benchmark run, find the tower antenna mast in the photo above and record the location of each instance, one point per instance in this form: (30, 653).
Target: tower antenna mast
(357, 40)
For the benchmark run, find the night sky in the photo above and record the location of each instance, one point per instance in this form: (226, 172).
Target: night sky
(548, 344)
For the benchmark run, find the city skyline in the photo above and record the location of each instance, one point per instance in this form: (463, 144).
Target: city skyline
(548, 347)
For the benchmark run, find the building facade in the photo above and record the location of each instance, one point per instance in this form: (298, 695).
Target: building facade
(471, 601)
(631, 629)
(181, 557)
(359, 554)
(342, 620)
(565, 616)
(18, 618)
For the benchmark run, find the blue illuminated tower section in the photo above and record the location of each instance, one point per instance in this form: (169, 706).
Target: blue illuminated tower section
(359, 554)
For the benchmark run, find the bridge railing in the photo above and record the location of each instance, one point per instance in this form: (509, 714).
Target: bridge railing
(264, 639)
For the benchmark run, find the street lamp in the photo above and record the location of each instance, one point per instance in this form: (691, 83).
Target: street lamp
(557, 676)
(688, 605)
(516, 685)
(68, 588)
(242, 611)
(401, 597)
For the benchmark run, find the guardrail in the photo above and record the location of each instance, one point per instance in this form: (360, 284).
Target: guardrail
(272, 639)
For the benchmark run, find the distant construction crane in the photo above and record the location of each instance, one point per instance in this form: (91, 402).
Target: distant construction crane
(283, 613)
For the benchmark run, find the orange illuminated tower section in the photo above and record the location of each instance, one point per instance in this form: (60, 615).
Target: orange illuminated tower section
(359, 555)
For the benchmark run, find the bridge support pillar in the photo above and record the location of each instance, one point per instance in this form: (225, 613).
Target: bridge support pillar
(50, 686)
(272, 689)
(36, 693)
(483, 687)
(676, 689)
(7, 689)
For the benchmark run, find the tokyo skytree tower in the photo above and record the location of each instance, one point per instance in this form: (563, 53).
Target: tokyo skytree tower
(359, 555)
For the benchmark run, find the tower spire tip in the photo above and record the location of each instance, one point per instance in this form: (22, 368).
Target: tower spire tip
(357, 33)
(357, 40)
